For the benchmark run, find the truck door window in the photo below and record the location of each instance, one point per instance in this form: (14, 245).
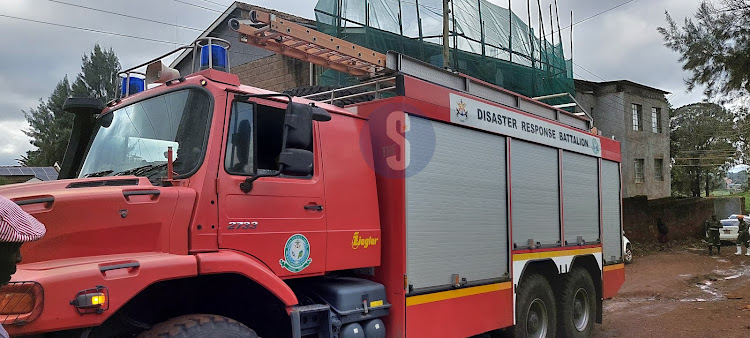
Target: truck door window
(239, 158)
(241, 150)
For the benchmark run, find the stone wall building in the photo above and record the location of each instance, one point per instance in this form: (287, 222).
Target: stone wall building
(638, 117)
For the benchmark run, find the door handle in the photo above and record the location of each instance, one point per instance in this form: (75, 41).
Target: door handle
(315, 207)
(45, 200)
(129, 193)
(129, 265)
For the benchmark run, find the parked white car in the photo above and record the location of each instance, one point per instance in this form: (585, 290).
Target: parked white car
(627, 250)
(730, 228)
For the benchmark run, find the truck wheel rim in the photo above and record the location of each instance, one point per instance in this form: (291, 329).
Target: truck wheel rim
(581, 311)
(628, 254)
(536, 319)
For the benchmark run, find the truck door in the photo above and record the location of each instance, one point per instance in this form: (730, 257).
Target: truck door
(281, 220)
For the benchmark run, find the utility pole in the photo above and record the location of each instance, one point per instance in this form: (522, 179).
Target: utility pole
(571, 40)
(446, 39)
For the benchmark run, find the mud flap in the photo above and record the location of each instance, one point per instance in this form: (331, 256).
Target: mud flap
(599, 310)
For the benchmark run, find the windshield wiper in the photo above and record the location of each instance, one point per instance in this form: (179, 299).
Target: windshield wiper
(98, 174)
(140, 170)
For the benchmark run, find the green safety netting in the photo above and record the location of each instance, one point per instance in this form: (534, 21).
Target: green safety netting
(488, 42)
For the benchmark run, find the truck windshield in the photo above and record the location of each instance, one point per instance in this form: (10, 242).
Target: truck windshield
(133, 140)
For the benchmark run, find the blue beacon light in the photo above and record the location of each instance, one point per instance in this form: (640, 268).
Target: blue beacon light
(218, 57)
(132, 85)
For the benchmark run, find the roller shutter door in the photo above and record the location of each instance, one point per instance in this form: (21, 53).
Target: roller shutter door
(580, 198)
(611, 211)
(456, 219)
(535, 194)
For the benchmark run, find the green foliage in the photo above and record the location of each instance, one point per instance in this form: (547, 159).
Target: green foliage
(50, 125)
(703, 144)
(98, 76)
(715, 48)
(50, 128)
(4, 181)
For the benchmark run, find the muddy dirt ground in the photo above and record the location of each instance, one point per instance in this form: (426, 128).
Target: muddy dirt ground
(681, 292)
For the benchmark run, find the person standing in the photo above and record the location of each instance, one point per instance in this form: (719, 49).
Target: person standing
(663, 233)
(743, 236)
(713, 227)
(16, 228)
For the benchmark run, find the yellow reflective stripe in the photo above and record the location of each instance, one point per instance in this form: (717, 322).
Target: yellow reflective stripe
(438, 296)
(614, 267)
(557, 253)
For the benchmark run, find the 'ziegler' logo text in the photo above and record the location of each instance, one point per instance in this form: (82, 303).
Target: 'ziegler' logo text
(364, 242)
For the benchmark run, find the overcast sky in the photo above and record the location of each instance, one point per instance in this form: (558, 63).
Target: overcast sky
(620, 44)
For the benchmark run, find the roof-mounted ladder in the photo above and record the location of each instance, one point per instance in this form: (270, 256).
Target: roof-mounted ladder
(268, 31)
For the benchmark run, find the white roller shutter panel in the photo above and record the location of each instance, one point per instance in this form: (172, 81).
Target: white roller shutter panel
(535, 194)
(611, 228)
(456, 219)
(580, 185)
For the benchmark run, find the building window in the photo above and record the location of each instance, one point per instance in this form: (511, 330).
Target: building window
(639, 170)
(659, 169)
(637, 118)
(656, 119)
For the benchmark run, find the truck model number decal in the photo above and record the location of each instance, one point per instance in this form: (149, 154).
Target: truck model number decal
(242, 225)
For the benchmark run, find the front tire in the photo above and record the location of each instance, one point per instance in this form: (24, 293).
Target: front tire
(577, 305)
(199, 325)
(536, 315)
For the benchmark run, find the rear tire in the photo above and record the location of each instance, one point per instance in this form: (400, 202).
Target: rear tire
(577, 305)
(536, 315)
(199, 325)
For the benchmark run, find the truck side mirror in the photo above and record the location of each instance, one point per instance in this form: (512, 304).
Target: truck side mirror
(295, 159)
(296, 162)
(298, 126)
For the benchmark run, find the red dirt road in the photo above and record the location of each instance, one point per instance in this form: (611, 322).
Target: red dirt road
(681, 293)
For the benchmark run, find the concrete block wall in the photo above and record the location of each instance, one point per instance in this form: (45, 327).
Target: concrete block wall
(275, 73)
(725, 206)
(683, 216)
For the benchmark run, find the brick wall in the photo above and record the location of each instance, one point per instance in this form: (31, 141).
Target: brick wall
(275, 73)
(684, 216)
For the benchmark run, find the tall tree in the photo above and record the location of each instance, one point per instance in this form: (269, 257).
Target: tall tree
(715, 48)
(50, 125)
(98, 77)
(702, 143)
(50, 128)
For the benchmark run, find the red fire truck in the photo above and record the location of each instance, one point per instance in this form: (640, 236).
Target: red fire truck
(439, 206)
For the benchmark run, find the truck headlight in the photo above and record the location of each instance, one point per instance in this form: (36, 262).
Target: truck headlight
(20, 302)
